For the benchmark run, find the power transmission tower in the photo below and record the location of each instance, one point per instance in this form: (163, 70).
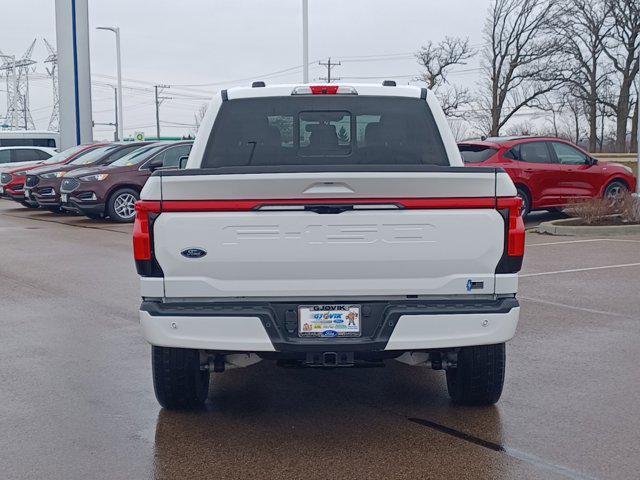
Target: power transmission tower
(52, 59)
(159, 99)
(7, 68)
(18, 114)
(329, 66)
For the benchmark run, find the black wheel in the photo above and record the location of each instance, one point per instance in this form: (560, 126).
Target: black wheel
(30, 205)
(526, 201)
(615, 190)
(121, 205)
(178, 380)
(93, 216)
(479, 375)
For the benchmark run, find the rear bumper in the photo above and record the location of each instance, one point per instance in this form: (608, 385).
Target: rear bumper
(387, 326)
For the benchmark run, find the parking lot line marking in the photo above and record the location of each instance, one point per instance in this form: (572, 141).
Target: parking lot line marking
(573, 307)
(573, 270)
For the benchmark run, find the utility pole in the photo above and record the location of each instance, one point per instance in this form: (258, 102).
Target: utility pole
(305, 41)
(329, 66)
(159, 89)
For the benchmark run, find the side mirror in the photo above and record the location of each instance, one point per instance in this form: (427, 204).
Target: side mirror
(182, 163)
(155, 164)
(592, 161)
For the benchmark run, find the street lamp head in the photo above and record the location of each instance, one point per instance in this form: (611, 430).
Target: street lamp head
(111, 29)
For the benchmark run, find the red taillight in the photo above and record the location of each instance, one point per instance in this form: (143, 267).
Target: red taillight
(516, 233)
(142, 248)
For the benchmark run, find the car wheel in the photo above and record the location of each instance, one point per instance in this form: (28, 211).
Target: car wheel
(526, 201)
(30, 205)
(478, 377)
(615, 190)
(121, 205)
(178, 381)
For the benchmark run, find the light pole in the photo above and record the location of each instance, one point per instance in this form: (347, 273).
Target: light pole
(638, 141)
(305, 41)
(120, 123)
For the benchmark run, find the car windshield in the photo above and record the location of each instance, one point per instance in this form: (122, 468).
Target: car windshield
(476, 153)
(138, 156)
(65, 155)
(93, 156)
(323, 130)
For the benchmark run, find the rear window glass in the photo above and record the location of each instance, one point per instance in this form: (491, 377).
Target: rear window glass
(324, 130)
(476, 153)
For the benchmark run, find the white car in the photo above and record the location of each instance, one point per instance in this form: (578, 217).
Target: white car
(11, 157)
(328, 226)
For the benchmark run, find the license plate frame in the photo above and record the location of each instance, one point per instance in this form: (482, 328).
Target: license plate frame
(337, 320)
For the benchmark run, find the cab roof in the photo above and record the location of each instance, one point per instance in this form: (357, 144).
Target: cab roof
(286, 90)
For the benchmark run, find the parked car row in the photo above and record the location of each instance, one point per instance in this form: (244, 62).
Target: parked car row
(549, 173)
(97, 180)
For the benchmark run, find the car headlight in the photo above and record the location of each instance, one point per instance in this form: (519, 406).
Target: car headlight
(22, 172)
(53, 175)
(95, 178)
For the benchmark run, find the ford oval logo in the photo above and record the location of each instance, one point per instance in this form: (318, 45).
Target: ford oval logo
(329, 333)
(193, 252)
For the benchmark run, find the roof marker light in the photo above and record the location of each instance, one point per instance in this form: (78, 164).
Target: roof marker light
(324, 90)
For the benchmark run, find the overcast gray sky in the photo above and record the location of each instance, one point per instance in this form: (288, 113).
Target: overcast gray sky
(195, 42)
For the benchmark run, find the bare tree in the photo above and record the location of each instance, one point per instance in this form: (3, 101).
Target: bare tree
(437, 61)
(517, 58)
(581, 30)
(622, 50)
(575, 109)
(199, 115)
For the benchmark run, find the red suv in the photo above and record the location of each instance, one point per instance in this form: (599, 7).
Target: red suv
(549, 173)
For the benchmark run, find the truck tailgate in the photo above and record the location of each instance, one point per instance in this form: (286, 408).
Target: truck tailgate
(328, 235)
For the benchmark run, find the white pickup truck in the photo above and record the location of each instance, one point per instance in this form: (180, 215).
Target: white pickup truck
(328, 226)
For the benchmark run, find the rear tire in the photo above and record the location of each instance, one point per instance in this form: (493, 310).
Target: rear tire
(526, 201)
(120, 206)
(479, 375)
(178, 381)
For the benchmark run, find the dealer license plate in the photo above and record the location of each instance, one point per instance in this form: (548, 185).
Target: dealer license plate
(1, 190)
(27, 194)
(63, 198)
(335, 320)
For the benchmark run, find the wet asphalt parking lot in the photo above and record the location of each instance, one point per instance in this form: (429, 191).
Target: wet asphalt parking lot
(76, 398)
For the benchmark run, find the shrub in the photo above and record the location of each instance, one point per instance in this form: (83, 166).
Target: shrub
(599, 211)
(629, 206)
(594, 211)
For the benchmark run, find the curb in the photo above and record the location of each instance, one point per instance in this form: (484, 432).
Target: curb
(555, 227)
